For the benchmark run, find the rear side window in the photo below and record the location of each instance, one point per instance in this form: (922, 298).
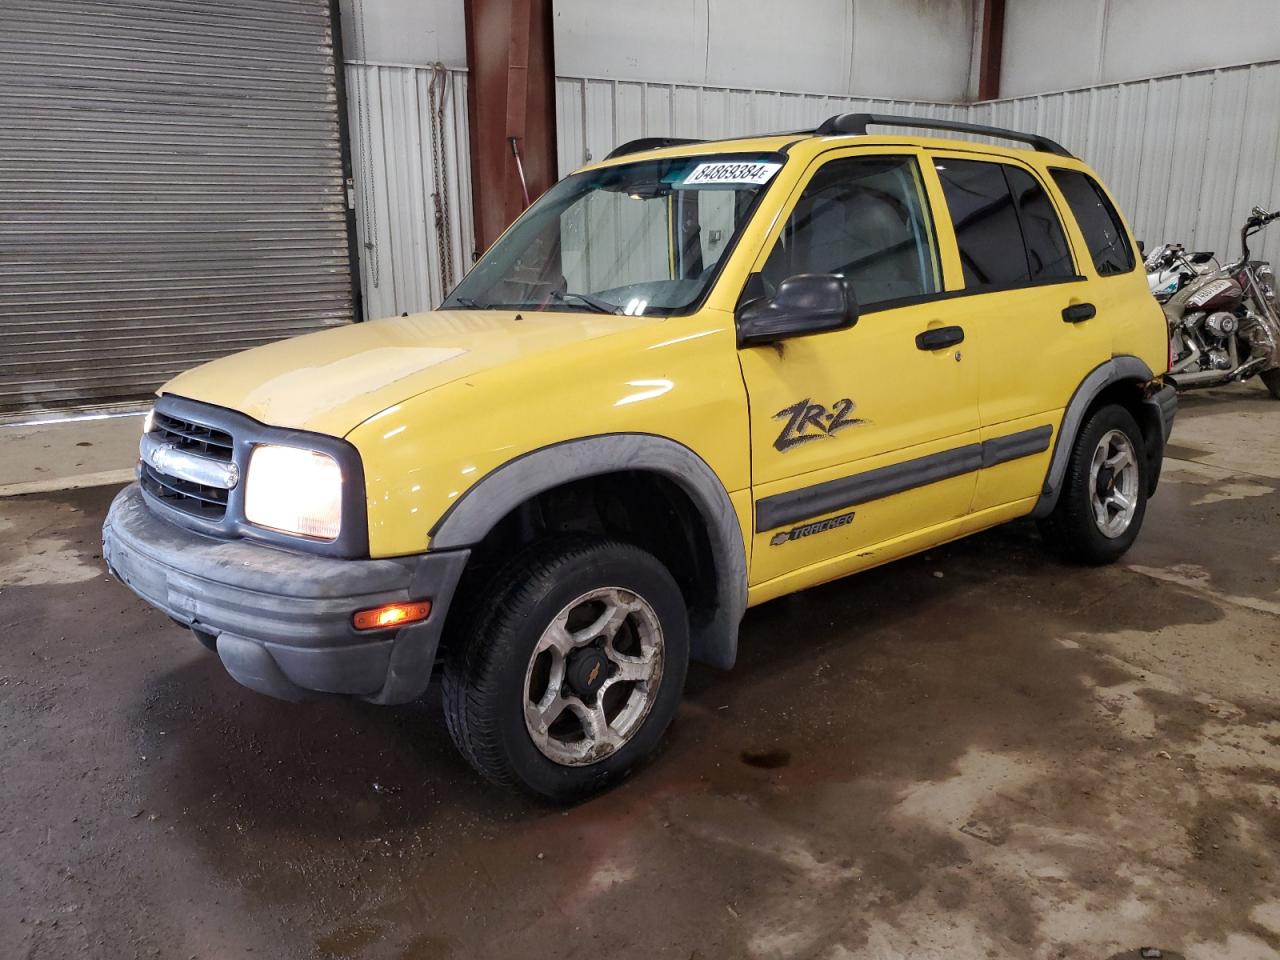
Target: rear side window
(986, 223)
(1006, 227)
(1099, 222)
(1048, 256)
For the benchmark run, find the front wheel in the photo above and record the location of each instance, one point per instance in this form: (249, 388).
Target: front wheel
(572, 670)
(1104, 494)
(1272, 380)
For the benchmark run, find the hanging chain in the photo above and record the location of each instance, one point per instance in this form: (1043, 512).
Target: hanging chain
(438, 94)
(364, 143)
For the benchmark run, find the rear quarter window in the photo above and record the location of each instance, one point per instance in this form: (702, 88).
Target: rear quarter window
(1099, 222)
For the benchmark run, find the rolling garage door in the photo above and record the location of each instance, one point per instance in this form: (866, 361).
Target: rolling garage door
(171, 189)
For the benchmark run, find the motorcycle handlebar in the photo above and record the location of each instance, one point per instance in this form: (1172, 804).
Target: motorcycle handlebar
(1254, 224)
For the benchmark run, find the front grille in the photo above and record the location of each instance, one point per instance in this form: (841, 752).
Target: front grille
(195, 499)
(193, 437)
(208, 503)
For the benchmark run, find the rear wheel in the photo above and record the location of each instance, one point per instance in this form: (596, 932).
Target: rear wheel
(1104, 495)
(1272, 380)
(572, 669)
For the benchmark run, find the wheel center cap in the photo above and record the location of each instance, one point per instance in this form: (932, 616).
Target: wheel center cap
(587, 672)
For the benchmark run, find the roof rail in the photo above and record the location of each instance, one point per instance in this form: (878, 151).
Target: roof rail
(648, 143)
(857, 123)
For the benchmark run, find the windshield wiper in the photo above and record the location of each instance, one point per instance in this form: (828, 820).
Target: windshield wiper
(469, 303)
(595, 303)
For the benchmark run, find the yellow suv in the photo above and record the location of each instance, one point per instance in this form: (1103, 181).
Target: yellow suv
(689, 379)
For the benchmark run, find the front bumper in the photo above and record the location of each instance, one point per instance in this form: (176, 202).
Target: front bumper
(279, 620)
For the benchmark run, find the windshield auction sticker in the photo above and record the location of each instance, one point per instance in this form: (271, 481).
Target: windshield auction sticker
(722, 173)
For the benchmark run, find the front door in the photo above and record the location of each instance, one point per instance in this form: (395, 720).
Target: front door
(862, 437)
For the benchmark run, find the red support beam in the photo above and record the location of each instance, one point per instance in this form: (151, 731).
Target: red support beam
(992, 49)
(511, 100)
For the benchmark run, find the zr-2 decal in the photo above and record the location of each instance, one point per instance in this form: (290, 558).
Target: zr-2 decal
(809, 529)
(807, 421)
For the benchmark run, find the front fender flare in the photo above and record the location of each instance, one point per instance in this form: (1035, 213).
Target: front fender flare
(469, 520)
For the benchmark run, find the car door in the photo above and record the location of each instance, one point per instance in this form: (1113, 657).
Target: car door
(861, 438)
(1032, 331)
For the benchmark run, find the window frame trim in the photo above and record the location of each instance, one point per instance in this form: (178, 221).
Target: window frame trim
(982, 292)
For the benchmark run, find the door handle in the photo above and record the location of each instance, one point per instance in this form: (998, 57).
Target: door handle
(1079, 312)
(939, 338)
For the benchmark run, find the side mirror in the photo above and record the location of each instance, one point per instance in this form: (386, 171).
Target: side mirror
(804, 304)
(1142, 248)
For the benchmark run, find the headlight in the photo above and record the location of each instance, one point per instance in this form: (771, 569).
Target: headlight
(294, 490)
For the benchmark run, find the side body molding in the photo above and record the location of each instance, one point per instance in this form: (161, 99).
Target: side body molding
(714, 632)
(1116, 370)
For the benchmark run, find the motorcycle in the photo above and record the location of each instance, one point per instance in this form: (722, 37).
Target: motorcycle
(1170, 267)
(1224, 321)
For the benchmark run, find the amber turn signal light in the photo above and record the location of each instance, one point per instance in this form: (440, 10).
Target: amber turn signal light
(391, 615)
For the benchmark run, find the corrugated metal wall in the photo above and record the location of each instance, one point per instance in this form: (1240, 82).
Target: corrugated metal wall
(1187, 155)
(171, 190)
(402, 263)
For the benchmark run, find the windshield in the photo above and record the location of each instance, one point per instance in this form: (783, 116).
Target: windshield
(640, 238)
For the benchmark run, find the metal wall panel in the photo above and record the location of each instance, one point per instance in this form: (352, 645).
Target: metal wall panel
(1187, 156)
(920, 49)
(170, 190)
(401, 260)
(1052, 45)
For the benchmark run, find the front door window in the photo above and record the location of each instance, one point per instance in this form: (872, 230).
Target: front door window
(865, 219)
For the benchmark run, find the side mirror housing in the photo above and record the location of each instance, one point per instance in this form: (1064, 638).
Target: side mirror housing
(804, 304)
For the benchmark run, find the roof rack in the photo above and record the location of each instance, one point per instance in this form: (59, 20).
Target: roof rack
(649, 143)
(857, 123)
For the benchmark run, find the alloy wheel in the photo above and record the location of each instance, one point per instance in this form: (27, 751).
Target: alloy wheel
(1113, 484)
(593, 676)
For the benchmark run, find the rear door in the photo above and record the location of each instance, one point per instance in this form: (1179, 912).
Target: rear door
(1032, 333)
(857, 435)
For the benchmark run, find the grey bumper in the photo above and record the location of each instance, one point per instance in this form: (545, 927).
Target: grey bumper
(1166, 401)
(281, 621)
(1163, 407)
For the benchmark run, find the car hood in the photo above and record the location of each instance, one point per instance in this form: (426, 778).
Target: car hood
(332, 381)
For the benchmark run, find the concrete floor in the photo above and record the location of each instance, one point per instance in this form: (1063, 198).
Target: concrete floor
(48, 455)
(974, 753)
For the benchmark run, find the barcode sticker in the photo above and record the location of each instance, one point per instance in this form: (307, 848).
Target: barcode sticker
(730, 173)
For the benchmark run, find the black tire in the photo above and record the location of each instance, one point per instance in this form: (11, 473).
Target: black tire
(486, 663)
(1071, 531)
(1272, 380)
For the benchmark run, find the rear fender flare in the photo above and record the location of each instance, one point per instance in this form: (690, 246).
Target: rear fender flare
(1116, 370)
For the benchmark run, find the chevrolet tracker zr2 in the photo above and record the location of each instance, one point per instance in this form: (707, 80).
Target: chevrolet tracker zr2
(689, 379)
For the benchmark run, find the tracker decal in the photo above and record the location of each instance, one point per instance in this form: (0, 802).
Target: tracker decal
(809, 529)
(807, 421)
